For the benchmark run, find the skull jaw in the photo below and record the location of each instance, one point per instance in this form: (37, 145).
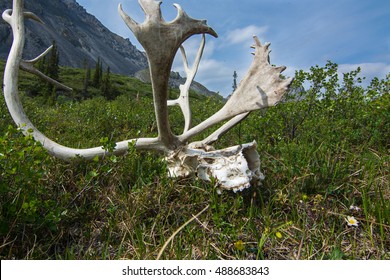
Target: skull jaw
(234, 168)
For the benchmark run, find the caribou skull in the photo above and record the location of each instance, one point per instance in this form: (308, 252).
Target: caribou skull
(234, 168)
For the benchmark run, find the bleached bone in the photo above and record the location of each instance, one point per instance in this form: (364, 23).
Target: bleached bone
(214, 137)
(184, 99)
(15, 18)
(28, 66)
(233, 168)
(161, 41)
(261, 87)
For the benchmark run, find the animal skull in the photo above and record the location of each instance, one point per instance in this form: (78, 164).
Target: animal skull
(235, 168)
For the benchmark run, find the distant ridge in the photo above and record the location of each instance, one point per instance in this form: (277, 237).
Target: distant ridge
(79, 37)
(175, 80)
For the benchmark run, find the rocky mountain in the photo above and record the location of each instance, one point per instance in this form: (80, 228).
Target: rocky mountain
(175, 80)
(79, 36)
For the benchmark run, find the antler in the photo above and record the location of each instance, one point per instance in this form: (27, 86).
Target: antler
(161, 41)
(261, 87)
(28, 66)
(184, 99)
(15, 18)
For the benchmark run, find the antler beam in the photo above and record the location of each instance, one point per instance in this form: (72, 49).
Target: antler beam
(15, 17)
(161, 41)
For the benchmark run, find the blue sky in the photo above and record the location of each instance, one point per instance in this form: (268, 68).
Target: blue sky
(303, 33)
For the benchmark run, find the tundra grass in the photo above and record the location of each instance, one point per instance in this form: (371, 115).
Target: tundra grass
(319, 170)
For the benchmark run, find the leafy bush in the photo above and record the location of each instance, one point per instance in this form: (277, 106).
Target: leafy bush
(27, 203)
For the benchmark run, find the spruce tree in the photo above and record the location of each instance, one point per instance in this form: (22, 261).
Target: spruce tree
(97, 77)
(106, 86)
(53, 63)
(234, 86)
(87, 78)
(52, 71)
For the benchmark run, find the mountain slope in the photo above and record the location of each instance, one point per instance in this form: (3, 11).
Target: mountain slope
(175, 80)
(79, 36)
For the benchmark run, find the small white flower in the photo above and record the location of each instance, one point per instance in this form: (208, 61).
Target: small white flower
(351, 221)
(354, 208)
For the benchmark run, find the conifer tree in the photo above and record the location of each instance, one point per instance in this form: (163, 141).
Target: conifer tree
(106, 85)
(234, 86)
(87, 78)
(52, 71)
(97, 77)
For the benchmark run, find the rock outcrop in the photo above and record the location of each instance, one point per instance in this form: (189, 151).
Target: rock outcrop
(78, 34)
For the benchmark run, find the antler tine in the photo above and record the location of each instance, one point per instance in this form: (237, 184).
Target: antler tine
(132, 24)
(180, 11)
(185, 60)
(33, 17)
(184, 100)
(191, 73)
(39, 57)
(29, 67)
(215, 136)
(199, 54)
(151, 9)
(7, 16)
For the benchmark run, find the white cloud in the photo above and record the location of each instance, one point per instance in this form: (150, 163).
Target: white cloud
(214, 71)
(214, 74)
(192, 45)
(241, 35)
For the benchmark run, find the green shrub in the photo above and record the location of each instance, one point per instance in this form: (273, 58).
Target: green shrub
(322, 149)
